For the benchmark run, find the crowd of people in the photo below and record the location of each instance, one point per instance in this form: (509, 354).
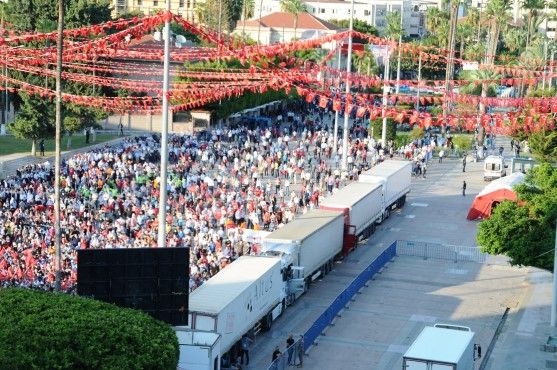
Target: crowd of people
(232, 181)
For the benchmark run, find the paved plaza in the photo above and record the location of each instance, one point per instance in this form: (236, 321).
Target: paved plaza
(380, 324)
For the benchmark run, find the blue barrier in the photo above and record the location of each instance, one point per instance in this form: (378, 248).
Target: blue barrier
(342, 299)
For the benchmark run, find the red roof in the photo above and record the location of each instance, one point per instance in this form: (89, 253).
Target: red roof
(282, 19)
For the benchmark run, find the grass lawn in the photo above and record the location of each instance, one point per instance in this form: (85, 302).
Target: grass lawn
(10, 144)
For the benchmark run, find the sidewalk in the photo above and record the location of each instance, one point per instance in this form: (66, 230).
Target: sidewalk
(11, 162)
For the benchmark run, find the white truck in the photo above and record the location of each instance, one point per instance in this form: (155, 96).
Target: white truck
(395, 177)
(307, 246)
(242, 298)
(361, 204)
(199, 350)
(442, 347)
(494, 167)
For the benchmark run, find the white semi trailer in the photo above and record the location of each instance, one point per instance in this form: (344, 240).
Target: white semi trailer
(395, 177)
(244, 297)
(361, 203)
(307, 246)
(442, 347)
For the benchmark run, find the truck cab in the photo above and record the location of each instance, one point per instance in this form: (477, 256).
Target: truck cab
(494, 167)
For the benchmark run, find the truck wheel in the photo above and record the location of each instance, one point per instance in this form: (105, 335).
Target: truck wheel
(268, 321)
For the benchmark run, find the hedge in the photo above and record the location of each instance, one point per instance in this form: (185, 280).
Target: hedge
(40, 330)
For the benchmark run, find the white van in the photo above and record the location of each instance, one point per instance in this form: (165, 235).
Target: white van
(494, 167)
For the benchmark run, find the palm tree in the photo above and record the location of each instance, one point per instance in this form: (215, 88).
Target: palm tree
(498, 14)
(247, 12)
(437, 25)
(485, 78)
(365, 63)
(393, 28)
(514, 39)
(533, 7)
(294, 7)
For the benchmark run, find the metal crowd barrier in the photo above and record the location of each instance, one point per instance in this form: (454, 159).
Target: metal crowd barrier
(440, 251)
(345, 296)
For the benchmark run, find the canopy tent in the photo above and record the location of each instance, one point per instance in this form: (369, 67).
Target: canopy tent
(494, 193)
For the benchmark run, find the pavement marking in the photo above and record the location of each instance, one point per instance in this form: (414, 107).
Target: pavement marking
(419, 204)
(410, 216)
(394, 229)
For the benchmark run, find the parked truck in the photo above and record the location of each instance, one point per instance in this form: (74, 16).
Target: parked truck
(442, 347)
(361, 204)
(395, 177)
(494, 167)
(307, 246)
(242, 298)
(199, 350)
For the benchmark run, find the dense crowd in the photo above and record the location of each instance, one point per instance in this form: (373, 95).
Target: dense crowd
(218, 188)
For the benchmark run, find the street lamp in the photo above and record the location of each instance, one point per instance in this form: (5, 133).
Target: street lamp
(346, 112)
(161, 237)
(6, 97)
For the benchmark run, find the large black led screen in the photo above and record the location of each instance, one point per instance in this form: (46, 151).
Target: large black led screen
(154, 280)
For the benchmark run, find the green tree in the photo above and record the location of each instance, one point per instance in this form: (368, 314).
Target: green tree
(40, 330)
(376, 127)
(515, 40)
(294, 7)
(498, 15)
(33, 15)
(543, 145)
(525, 230)
(34, 121)
(42, 16)
(77, 118)
(533, 7)
(437, 26)
(365, 63)
(393, 27)
(358, 25)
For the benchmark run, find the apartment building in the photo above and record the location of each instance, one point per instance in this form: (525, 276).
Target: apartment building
(371, 11)
(185, 8)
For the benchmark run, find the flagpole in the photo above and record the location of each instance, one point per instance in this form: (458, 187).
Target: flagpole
(161, 242)
(346, 112)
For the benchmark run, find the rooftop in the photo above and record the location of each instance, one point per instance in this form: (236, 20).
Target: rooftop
(283, 19)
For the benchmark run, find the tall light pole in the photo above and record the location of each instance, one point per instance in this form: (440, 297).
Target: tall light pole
(386, 88)
(450, 63)
(335, 132)
(399, 46)
(259, 22)
(346, 113)
(554, 298)
(6, 100)
(57, 157)
(161, 240)
(419, 80)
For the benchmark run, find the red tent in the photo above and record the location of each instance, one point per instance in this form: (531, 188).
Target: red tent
(494, 193)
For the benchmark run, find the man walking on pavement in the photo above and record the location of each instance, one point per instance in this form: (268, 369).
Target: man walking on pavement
(300, 351)
(464, 164)
(464, 188)
(246, 342)
(290, 348)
